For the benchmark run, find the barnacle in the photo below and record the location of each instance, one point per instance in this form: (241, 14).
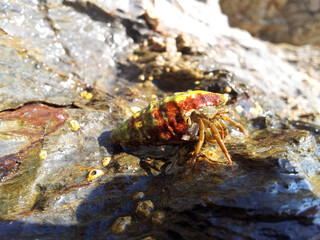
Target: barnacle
(145, 208)
(120, 225)
(94, 174)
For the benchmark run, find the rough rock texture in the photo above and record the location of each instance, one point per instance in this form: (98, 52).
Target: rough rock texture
(72, 71)
(291, 21)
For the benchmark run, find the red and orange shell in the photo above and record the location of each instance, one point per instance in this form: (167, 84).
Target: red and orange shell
(165, 121)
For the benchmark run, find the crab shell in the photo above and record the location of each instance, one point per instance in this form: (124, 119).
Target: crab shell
(165, 121)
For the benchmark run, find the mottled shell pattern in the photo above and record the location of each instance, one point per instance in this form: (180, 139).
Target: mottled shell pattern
(165, 121)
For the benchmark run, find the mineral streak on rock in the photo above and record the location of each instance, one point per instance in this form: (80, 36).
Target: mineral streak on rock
(10, 164)
(32, 122)
(35, 116)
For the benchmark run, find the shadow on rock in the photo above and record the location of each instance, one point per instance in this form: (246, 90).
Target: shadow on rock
(229, 203)
(267, 199)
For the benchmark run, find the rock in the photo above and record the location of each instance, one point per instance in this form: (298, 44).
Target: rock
(250, 194)
(24, 129)
(91, 63)
(290, 21)
(276, 149)
(126, 162)
(31, 79)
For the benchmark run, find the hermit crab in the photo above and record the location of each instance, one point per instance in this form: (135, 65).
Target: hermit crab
(185, 116)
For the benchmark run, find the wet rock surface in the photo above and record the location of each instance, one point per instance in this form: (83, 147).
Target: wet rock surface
(291, 21)
(72, 71)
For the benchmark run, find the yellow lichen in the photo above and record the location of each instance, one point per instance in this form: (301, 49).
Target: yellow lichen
(74, 125)
(86, 95)
(43, 154)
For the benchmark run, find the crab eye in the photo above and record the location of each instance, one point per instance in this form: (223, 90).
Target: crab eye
(189, 122)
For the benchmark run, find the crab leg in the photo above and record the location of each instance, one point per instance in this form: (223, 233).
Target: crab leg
(201, 138)
(200, 142)
(208, 136)
(221, 130)
(216, 135)
(238, 125)
(211, 140)
(224, 128)
(208, 139)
